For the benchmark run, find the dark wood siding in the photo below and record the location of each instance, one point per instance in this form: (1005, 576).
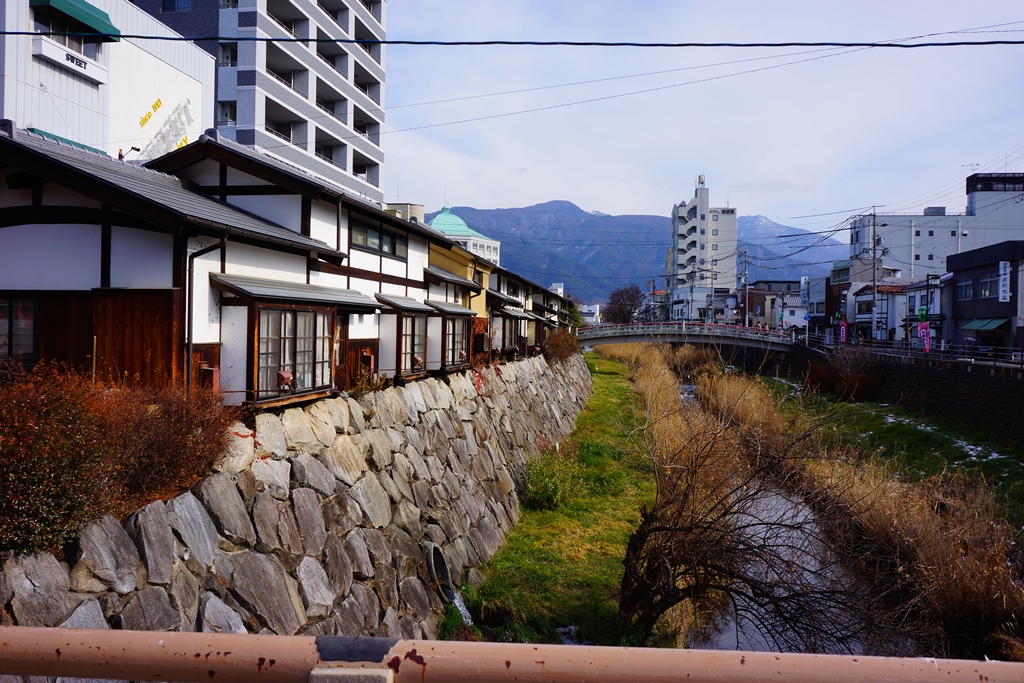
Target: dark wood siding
(65, 327)
(138, 334)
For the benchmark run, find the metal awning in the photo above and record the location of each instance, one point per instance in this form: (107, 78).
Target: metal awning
(293, 292)
(503, 298)
(451, 278)
(83, 12)
(449, 308)
(985, 324)
(511, 313)
(404, 304)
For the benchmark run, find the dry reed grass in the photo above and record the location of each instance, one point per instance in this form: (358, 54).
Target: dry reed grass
(937, 550)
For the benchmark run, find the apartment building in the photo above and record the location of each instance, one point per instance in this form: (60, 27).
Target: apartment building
(307, 96)
(703, 258)
(920, 244)
(72, 75)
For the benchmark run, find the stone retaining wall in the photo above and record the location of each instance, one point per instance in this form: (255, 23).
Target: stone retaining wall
(318, 520)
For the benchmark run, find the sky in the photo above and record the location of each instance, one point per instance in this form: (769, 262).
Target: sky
(788, 133)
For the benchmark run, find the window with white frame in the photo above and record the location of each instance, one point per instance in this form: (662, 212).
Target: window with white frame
(294, 351)
(414, 343)
(988, 287)
(59, 25)
(457, 337)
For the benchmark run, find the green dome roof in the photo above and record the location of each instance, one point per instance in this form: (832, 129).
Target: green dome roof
(452, 226)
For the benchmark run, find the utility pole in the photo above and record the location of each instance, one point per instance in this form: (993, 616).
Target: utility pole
(746, 288)
(874, 285)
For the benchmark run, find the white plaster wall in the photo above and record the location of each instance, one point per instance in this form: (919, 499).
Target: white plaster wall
(364, 326)
(388, 288)
(323, 224)
(50, 257)
(264, 263)
(206, 309)
(364, 260)
(419, 254)
(390, 266)
(283, 210)
(141, 259)
(367, 287)
(233, 354)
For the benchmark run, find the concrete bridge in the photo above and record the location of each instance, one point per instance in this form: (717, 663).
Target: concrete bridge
(692, 333)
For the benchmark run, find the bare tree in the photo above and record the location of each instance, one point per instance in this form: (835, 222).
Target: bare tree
(727, 529)
(624, 304)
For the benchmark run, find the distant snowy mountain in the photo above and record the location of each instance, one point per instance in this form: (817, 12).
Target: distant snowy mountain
(594, 253)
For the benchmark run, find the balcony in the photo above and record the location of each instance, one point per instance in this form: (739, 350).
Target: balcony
(288, 26)
(333, 14)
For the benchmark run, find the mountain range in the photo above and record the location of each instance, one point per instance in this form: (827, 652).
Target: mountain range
(594, 253)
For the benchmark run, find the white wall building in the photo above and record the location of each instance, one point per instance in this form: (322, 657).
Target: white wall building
(316, 103)
(98, 89)
(918, 244)
(703, 258)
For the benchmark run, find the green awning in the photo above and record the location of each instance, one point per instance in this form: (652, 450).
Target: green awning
(985, 324)
(83, 12)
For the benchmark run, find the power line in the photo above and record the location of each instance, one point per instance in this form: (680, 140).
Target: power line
(369, 42)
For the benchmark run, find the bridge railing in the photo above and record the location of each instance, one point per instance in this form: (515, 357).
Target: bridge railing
(675, 330)
(147, 655)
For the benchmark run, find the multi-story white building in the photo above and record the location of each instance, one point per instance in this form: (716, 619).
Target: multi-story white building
(918, 244)
(703, 258)
(142, 97)
(310, 99)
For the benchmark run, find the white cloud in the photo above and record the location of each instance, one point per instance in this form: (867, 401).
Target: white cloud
(881, 126)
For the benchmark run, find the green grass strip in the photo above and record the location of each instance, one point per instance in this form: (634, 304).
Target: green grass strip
(564, 566)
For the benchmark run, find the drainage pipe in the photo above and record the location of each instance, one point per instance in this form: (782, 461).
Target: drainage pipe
(146, 655)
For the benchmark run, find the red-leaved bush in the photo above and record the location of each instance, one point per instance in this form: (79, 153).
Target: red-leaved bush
(72, 450)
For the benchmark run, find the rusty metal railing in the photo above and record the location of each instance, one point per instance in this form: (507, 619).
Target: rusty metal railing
(147, 656)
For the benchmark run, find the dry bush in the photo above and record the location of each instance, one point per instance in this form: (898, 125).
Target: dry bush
(72, 450)
(689, 360)
(560, 346)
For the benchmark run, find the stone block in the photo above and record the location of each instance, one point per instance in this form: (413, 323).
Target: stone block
(338, 410)
(272, 476)
(216, 617)
(107, 558)
(346, 458)
(150, 610)
(184, 594)
(316, 590)
(359, 554)
(337, 565)
(321, 422)
(88, 614)
(357, 422)
(240, 450)
(270, 438)
(306, 507)
(379, 446)
(298, 432)
(261, 585)
(341, 513)
(221, 498)
(309, 472)
(373, 500)
(150, 529)
(414, 595)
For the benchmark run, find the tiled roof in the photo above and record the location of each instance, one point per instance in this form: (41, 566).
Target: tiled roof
(166, 200)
